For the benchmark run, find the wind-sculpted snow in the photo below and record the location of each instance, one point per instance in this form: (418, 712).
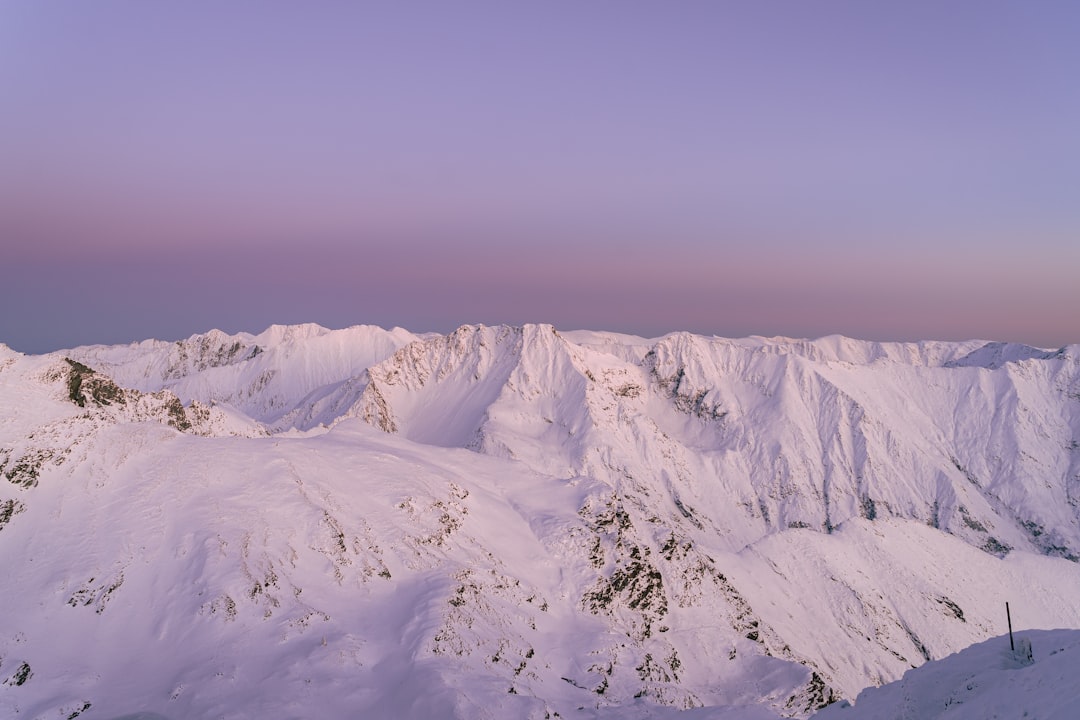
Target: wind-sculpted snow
(997, 354)
(265, 376)
(518, 522)
(1038, 676)
(793, 440)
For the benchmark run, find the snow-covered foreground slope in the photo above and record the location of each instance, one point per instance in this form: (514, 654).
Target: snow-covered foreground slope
(1038, 676)
(514, 522)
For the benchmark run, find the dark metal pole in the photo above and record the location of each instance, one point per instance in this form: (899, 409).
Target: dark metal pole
(1009, 618)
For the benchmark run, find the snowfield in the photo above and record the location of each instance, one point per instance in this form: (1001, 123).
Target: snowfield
(988, 680)
(514, 522)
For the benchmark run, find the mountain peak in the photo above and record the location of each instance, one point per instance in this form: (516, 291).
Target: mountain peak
(551, 521)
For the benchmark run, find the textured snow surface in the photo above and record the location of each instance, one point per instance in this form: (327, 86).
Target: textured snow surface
(518, 522)
(990, 680)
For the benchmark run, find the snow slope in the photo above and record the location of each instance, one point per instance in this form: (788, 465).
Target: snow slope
(265, 376)
(990, 680)
(518, 522)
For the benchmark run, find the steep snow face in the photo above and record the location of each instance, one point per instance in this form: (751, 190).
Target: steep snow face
(723, 444)
(518, 522)
(461, 390)
(783, 431)
(996, 354)
(265, 376)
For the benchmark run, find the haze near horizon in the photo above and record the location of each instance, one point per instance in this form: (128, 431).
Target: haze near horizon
(888, 172)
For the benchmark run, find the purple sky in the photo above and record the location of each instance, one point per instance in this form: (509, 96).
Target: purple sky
(880, 170)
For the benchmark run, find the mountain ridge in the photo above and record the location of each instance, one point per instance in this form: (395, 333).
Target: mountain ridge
(756, 523)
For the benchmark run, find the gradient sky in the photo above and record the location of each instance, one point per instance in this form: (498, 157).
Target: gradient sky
(880, 170)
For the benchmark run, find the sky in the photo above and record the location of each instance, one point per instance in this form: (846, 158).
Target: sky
(888, 171)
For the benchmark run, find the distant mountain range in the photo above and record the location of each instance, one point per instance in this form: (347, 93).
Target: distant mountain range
(522, 522)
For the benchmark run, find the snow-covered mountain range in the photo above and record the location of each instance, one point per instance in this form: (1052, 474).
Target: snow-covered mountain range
(522, 522)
